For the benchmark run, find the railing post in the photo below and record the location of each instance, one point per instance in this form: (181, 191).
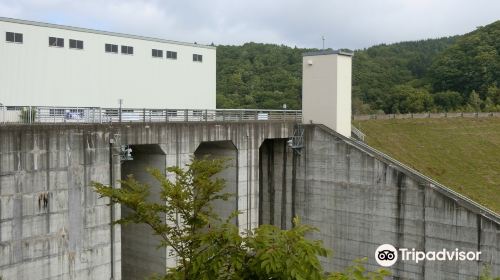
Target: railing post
(223, 116)
(166, 115)
(206, 115)
(186, 116)
(143, 114)
(3, 114)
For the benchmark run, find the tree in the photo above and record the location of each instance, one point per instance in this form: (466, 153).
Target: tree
(259, 76)
(474, 102)
(207, 246)
(472, 63)
(486, 274)
(407, 99)
(360, 108)
(358, 272)
(186, 207)
(489, 106)
(494, 94)
(28, 115)
(448, 100)
(266, 76)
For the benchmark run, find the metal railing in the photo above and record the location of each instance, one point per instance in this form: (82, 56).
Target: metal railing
(50, 114)
(357, 133)
(426, 115)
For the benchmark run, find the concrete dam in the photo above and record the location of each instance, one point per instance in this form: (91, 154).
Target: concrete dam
(53, 226)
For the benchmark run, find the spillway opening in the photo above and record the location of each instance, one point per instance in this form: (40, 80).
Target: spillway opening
(225, 150)
(276, 183)
(140, 255)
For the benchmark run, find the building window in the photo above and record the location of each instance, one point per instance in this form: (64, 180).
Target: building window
(157, 53)
(56, 42)
(171, 55)
(197, 57)
(75, 44)
(127, 50)
(110, 48)
(14, 37)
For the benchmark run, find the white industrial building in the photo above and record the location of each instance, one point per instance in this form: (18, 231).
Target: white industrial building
(53, 65)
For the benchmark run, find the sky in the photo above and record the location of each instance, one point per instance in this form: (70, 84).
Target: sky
(353, 24)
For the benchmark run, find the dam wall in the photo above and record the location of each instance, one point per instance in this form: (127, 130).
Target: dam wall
(53, 226)
(360, 199)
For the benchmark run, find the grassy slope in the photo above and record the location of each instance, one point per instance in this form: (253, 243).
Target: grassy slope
(463, 154)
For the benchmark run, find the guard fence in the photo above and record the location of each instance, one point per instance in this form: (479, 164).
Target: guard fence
(426, 115)
(50, 114)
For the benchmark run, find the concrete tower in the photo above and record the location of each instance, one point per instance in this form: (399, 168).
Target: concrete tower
(326, 89)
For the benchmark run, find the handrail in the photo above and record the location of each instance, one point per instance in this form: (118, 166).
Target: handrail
(360, 135)
(55, 114)
(426, 115)
(470, 204)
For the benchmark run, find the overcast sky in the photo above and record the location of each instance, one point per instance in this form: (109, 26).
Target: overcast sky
(350, 24)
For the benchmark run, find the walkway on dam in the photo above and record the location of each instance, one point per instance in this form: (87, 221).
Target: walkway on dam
(51, 114)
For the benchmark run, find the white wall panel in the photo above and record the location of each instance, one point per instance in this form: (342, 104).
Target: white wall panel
(32, 73)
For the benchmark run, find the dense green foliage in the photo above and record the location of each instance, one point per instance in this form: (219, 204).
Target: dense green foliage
(384, 72)
(485, 274)
(459, 73)
(28, 116)
(471, 64)
(259, 76)
(210, 248)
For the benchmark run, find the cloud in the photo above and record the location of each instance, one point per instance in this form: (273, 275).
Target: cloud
(352, 24)
(10, 9)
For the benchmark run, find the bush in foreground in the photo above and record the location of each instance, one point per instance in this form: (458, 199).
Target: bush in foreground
(208, 247)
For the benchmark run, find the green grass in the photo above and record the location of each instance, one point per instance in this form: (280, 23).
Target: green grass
(461, 153)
